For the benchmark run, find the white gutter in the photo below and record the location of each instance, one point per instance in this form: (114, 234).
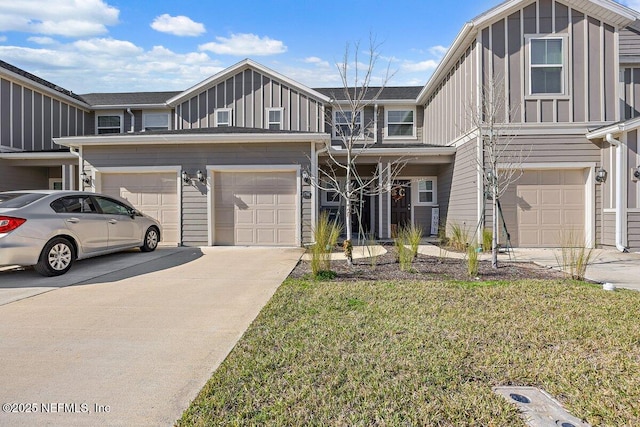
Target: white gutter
(133, 120)
(621, 208)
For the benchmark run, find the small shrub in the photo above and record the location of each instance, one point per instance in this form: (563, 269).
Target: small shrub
(472, 261)
(405, 256)
(459, 237)
(413, 235)
(443, 240)
(487, 240)
(371, 243)
(325, 235)
(574, 257)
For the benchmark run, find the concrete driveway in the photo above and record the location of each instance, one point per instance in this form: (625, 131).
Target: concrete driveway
(132, 346)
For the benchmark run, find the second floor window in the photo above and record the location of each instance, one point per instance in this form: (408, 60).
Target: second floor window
(400, 123)
(274, 118)
(109, 124)
(155, 121)
(546, 66)
(223, 117)
(346, 124)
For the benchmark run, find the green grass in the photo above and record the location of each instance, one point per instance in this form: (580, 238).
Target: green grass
(395, 353)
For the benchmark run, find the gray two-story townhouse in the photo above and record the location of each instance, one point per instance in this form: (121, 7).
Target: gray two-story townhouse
(568, 78)
(224, 162)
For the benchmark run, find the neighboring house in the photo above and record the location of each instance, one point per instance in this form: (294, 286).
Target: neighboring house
(223, 162)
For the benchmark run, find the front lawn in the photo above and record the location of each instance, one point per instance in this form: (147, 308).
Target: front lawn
(428, 353)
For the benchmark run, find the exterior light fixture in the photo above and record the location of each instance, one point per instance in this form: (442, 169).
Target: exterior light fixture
(86, 179)
(636, 173)
(305, 177)
(601, 176)
(185, 177)
(200, 176)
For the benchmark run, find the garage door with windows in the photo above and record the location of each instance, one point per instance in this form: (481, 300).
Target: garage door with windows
(550, 204)
(255, 208)
(155, 194)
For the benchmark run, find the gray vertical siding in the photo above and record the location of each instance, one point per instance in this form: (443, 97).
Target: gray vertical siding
(609, 228)
(197, 157)
(248, 93)
(633, 221)
(29, 118)
(446, 114)
(457, 189)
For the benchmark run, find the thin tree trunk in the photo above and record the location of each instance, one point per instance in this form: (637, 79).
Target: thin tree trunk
(494, 229)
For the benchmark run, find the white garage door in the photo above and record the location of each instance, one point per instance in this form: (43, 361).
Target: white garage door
(550, 203)
(155, 194)
(255, 208)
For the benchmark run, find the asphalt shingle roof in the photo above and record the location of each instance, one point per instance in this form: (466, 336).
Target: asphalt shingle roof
(215, 130)
(128, 98)
(388, 92)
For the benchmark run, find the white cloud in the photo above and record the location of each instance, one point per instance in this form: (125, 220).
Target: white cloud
(438, 51)
(3, 39)
(108, 65)
(244, 45)
(415, 67)
(42, 40)
(178, 25)
(90, 17)
(318, 62)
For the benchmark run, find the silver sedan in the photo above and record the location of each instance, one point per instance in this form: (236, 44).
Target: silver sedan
(51, 229)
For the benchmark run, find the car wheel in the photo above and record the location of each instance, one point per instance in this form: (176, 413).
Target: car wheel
(151, 239)
(56, 258)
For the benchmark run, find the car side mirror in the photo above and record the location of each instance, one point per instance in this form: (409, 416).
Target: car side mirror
(134, 213)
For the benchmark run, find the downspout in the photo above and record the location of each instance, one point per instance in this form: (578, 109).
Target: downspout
(79, 171)
(133, 120)
(620, 176)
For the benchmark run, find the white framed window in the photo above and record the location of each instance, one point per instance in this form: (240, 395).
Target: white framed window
(329, 197)
(346, 124)
(424, 191)
(108, 123)
(274, 118)
(223, 117)
(155, 121)
(547, 59)
(400, 123)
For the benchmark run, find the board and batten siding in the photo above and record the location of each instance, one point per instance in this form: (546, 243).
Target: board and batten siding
(30, 118)
(458, 191)
(590, 92)
(630, 92)
(446, 112)
(248, 94)
(193, 157)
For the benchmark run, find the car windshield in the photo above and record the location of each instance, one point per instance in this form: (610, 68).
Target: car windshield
(18, 200)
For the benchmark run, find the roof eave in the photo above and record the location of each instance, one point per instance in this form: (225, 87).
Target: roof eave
(615, 128)
(155, 139)
(137, 106)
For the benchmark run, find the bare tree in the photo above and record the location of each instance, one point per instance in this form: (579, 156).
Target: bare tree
(501, 162)
(339, 173)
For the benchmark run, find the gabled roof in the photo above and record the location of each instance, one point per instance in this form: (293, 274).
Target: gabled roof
(389, 93)
(25, 76)
(234, 69)
(608, 10)
(128, 99)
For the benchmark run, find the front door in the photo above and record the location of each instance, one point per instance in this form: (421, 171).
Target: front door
(400, 205)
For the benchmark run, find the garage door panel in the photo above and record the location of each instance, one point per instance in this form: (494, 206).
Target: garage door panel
(264, 207)
(154, 193)
(551, 201)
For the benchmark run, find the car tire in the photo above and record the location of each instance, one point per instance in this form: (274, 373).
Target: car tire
(56, 258)
(151, 240)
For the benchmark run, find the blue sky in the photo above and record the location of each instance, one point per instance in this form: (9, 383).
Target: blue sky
(125, 46)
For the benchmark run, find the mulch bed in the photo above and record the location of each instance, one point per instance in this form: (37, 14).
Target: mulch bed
(428, 268)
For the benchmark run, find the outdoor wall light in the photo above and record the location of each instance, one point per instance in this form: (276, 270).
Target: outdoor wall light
(305, 177)
(86, 179)
(200, 176)
(601, 176)
(636, 173)
(185, 177)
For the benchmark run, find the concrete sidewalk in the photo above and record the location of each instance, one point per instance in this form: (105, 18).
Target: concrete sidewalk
(608, 266)
(132, 347)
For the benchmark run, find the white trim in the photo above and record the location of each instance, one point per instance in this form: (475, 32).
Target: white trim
(52, 182)
(212, 169)
(19, 155)
(344, 113)
(565, 91)
(380, 183)
(314, 190)
(389, 185)
(415, 193)
(107, 114)
(267, 121)
(146, 114)
(395, 138)
(216, 123)
(98, 172)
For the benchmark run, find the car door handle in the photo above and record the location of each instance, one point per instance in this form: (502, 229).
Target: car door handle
(113, 221)
(73, 220)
